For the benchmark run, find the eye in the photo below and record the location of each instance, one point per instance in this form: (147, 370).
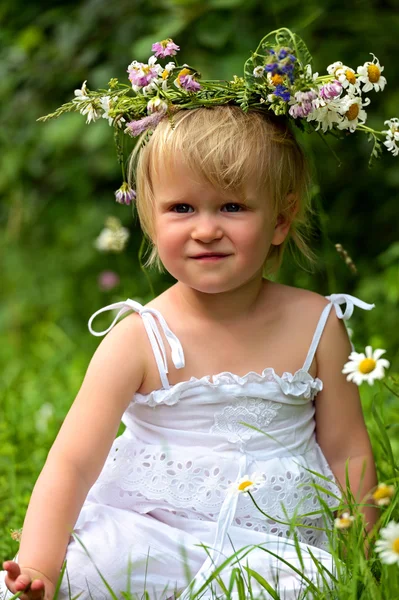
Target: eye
(181, 208)
(233, 207)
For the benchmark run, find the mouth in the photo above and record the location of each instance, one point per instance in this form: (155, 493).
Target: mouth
(213, 255)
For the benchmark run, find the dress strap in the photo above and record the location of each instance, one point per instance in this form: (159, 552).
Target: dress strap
(335, 301)
(149, 317)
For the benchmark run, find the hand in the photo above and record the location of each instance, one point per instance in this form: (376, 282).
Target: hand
(36, 585)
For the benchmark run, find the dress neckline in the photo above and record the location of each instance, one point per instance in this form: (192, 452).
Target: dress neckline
(227, 377)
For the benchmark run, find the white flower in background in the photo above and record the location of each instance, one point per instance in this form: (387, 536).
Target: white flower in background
(351, 107)
(344, 521)
(392, 139)
(388, 544)
(365, 367)
(370, 75)
(248, 483)
(113, 237)
(43, 416)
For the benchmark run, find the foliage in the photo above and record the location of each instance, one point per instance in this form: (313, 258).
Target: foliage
(57, 182)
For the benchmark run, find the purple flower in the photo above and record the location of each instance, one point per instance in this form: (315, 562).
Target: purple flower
(107, 280)
(188, 83)
(141, 74)
(125, 194)
(134, 128)
(271, 67)
(282, 92)
(302, 105)
(165, 48)
(282, 54)
(330, 90)
(300, 110)
(287, 68)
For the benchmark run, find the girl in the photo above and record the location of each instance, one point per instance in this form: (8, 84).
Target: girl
(225, 374)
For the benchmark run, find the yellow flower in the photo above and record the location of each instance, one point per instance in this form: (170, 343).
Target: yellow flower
(383, 494)
(344, 521)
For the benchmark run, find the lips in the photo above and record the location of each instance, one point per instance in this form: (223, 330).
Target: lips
(210, 255)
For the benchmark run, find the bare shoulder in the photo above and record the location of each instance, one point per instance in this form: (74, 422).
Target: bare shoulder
(123, 348)
(298, 301)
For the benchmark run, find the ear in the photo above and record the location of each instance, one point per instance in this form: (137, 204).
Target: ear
(284, 221)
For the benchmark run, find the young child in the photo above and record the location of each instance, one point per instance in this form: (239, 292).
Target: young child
(227, 383)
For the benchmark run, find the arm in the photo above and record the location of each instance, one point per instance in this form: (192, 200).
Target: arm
(340, 427)
(77, 456)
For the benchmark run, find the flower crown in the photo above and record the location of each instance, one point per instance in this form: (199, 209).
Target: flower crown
(277, 77)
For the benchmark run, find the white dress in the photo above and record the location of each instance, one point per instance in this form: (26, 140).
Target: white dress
(167, 488)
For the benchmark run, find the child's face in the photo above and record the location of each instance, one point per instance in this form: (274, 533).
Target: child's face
(207, 239)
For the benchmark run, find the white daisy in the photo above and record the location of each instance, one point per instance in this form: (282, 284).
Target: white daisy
(365, 367)
(248, 483)
(351, 108)
(347, 78)
(388, 546)
(370, 75)
(334, 66)
(325, 114)
(344, 521)
(392, 139)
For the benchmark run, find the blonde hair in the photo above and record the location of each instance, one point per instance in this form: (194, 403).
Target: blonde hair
(229, 148)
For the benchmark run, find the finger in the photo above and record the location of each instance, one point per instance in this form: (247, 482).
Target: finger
(37, 589)
(22, 582)
(12, 569)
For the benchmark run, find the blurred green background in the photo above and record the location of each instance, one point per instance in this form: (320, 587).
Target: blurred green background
(57, 183)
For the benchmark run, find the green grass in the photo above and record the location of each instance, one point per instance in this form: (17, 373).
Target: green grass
(48, 371)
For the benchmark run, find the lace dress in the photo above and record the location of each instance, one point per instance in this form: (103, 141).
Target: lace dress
(168, 486)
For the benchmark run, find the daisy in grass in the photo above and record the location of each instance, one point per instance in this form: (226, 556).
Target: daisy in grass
(344, 521)
(388, 545)
(370, 75)
(365, 367)
(383, 494)
(248, 483)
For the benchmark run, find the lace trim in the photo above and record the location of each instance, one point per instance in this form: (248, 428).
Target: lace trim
(297, 385)
(142, 478)
(252, 411)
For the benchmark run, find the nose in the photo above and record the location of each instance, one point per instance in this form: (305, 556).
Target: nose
(207, 229)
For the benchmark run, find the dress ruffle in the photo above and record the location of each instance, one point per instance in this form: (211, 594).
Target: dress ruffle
(296, 385)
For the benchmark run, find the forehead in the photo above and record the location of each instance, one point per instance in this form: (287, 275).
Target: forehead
(174, 179)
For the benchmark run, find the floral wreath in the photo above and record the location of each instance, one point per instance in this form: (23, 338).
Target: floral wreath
(277, 77)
